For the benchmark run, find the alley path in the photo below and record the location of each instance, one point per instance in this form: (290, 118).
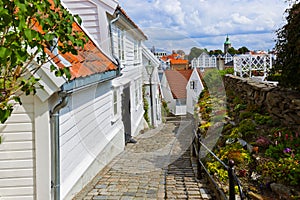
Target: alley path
(158, 166)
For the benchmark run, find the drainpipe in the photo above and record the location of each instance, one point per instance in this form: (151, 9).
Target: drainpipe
(54, 120)
(112, 42)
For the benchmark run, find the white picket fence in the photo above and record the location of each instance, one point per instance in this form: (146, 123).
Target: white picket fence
(252, 66)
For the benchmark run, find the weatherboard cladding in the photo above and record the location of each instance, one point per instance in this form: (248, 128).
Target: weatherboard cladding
(177, 81)
(17, 153)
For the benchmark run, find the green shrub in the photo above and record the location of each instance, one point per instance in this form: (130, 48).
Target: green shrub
(263, 119)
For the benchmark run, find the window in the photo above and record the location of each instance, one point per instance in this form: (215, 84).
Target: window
(193, 85)
(115, 102)
(136, 51)
(121, 44)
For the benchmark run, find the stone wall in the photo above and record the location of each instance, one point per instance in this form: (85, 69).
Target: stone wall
(282, 104)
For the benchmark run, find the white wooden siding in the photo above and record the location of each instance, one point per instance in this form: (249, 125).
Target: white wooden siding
(17, 160)
(86, 128)
(88, 12)
(129, 49)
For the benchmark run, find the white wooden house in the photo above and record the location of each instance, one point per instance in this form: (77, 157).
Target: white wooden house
(57, 141)
(151, 79)
(120, 38)
(173, 86)
(193, 88)
(127, 39)
(204, 61)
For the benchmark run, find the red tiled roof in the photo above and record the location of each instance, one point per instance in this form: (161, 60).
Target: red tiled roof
(90, 60)
(179, 62)
(177, 81)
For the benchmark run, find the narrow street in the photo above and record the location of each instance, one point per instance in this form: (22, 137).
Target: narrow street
(158, 166)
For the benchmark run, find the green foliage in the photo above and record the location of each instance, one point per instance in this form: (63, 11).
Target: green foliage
(263, 119)
(283, 170)
(28, 29)
(215, 52)
(233, 152)
(240, 107)
(216, 168)
(243, 50)
(195, 53)
(213, 81)
(285, 157)
(245, 115)
(247, 127)
(146, 107)
(165, 110)
(232, 51)
(288, 50)
(226, 71)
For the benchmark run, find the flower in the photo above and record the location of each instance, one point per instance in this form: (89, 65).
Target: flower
(293, 155)
(287, 150)
(286, 136)
(262, 141)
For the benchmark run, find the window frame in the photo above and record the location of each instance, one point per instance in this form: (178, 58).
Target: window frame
(116, 107)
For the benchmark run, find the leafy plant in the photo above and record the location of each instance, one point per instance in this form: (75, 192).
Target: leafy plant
(262, 119)
(288, 50)
(284, 170)
(146, 107)
(30, 31)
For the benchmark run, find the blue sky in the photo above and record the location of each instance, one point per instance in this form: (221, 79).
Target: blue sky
(183, 24)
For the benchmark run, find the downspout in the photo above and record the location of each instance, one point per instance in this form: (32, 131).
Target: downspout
(54, 120)
(112, 42)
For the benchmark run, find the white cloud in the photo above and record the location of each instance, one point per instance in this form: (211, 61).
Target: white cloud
(208, 22)
(172, 9)
(237, 18)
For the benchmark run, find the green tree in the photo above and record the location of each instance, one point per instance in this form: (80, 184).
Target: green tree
(232, 51)
(195, 53)
(243, 50)
(28, 30)
(215, 52)
(287, 65)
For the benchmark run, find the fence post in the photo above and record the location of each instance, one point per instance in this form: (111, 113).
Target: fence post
(199, 174)
(231, 180)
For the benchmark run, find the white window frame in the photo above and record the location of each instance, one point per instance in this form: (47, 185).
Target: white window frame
(121, 45)
(193, 85)
(116, 108)
(136, 51)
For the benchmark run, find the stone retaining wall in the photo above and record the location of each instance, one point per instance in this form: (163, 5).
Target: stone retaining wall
(280, 103)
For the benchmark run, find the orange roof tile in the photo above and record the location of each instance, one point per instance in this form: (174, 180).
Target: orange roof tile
(177, 81)
(179, 62)
(90, 60)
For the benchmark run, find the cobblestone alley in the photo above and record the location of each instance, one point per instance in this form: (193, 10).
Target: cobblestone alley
(158, 166)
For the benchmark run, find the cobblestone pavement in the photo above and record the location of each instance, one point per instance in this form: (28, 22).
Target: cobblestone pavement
(158, 166)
